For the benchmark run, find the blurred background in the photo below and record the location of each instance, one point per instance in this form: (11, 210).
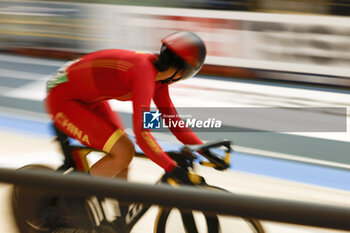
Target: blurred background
(266, 37)
(268, 53)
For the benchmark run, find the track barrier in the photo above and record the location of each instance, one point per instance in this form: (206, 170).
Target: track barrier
(287, 211)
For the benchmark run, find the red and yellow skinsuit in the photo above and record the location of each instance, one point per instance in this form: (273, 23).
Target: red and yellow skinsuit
(77, 101)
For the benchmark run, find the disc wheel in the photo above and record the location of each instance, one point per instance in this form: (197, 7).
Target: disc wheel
(38, 210)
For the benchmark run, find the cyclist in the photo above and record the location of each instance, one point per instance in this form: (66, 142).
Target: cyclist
(77, 100)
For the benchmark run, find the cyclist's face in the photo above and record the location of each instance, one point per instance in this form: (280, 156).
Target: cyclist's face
(169, 73)
(177, 76)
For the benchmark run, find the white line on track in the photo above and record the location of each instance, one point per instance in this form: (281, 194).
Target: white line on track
(33, 91)
(21, 74)
(30, 60)
(285, 156)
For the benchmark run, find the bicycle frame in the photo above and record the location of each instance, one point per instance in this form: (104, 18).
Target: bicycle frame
(48, 212)
(76, 158)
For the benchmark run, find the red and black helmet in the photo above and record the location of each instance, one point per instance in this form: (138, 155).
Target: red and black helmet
(190, 48)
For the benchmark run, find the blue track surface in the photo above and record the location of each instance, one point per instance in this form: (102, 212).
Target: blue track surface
(283, 169)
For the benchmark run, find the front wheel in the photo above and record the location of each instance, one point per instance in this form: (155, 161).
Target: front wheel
(167, 221)
(250, 225)
(176, 221)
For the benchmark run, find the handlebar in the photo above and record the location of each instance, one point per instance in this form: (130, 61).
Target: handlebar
(214, 160)
(225, 142)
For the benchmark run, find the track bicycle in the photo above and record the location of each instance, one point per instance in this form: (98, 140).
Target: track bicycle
(37, 211)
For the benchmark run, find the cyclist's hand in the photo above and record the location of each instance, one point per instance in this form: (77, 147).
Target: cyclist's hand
(180, 175)
(215, 160)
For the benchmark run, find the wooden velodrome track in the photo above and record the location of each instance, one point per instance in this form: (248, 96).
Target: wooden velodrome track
(23, 90)
(19, 149)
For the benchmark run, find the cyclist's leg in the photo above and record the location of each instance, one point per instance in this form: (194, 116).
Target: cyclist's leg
(105, 111)
(120, 149)
(115, 165)
(93, 129)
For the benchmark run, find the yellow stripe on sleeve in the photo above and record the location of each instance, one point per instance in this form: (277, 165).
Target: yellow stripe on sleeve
(112, 140)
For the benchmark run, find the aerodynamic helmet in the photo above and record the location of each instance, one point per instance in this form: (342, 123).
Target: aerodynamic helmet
(188, 49)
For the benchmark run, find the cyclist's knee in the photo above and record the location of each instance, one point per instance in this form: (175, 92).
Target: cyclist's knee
(123, 151)
(129, 150)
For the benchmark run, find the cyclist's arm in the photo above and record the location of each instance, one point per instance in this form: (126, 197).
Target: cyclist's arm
(143, 89)
(165, 105)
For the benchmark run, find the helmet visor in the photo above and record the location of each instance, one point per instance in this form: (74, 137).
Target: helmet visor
(189, 71)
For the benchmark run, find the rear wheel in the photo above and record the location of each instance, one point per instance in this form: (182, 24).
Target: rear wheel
(38, 210)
